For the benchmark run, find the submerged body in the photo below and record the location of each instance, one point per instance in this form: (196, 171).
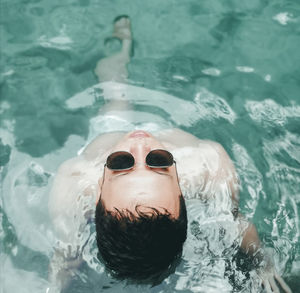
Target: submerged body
(202, 166)
(204, 172)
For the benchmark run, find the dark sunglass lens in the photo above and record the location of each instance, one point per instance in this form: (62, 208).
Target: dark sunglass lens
(120, 161)
(159, 158)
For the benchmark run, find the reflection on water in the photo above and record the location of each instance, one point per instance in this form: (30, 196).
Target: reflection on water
(232, 80)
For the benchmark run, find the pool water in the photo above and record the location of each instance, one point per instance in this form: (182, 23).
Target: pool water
(233, 67)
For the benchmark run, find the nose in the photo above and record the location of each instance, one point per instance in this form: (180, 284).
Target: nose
(139, 152)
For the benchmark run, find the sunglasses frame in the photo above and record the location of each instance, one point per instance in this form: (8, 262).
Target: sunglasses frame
(150, 166)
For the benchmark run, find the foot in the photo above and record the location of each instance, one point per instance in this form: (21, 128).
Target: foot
(114, 67)
(122, 28)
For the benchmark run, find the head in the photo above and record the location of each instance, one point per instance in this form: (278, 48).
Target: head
(141, 217)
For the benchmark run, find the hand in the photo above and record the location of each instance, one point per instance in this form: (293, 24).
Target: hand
(269, 282)
(62, 267)
(269, 276)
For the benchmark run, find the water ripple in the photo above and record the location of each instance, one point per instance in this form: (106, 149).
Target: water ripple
(268, 112)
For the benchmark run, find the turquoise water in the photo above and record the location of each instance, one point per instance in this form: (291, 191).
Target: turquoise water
(233, 64)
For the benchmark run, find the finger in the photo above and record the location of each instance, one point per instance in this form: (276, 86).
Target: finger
(283, 284)
(69, 254)
(274, 287)
(267, 286)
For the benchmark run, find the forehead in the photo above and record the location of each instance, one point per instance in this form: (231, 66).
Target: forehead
(146, 188)
(138, 182)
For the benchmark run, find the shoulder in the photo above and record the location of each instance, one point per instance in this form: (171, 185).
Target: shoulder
(212, 150)
(72, 197)
(206, 156)
(74, 178)
(76, 172)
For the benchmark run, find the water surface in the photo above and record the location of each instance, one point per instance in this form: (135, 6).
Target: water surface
(234, 66)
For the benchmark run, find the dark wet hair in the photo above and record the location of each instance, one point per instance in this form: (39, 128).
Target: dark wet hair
(143, 247)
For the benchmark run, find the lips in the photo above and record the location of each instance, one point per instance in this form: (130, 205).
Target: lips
(139, 133)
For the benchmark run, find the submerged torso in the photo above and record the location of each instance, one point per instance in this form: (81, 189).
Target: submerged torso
(201, 166)
(76, 189)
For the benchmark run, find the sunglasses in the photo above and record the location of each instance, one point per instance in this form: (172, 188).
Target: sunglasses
(122, 160)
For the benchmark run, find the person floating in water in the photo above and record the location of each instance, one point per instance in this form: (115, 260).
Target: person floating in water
(137, 181)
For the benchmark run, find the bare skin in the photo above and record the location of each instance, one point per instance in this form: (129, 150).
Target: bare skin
(207, 161)
(113, 68)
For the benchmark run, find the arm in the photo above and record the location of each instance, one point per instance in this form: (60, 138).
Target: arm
(222, 172)
(251, 245)
(71, 199)
(251, 242)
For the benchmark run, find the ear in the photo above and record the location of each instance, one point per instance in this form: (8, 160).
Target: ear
(98, 197)
(100, 184)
